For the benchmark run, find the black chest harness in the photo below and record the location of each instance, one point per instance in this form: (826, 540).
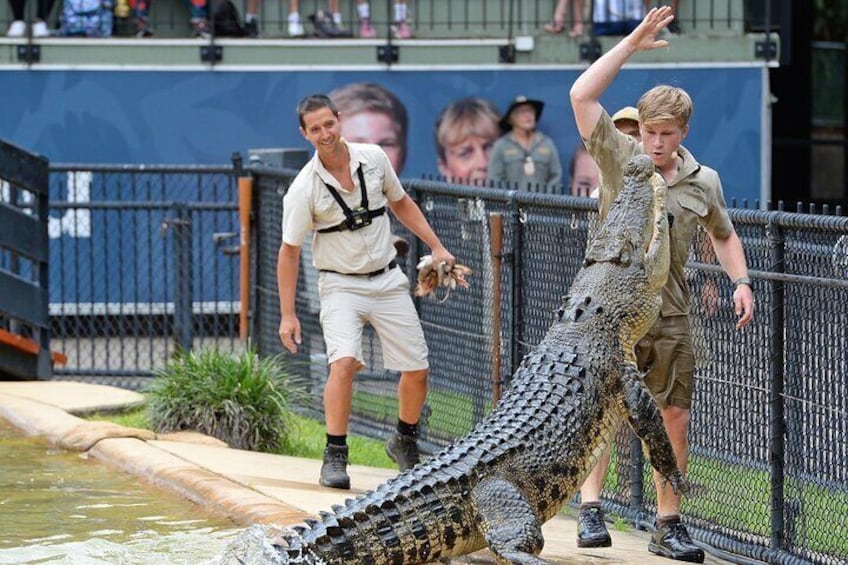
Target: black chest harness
(354, 219)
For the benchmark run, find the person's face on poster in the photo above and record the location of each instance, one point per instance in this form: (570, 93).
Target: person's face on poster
(586, 175)
(467, 159)
(376, 128)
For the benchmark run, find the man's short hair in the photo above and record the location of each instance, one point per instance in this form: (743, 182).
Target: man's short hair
(312, 103)
(665, 103)
(472, 116)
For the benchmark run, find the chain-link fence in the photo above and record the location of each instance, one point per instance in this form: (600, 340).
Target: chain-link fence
(143, 261)
(769, 431)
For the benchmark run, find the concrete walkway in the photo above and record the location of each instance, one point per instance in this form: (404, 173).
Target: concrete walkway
(247, 487)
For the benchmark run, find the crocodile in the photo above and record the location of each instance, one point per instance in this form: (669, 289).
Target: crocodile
(515, 470)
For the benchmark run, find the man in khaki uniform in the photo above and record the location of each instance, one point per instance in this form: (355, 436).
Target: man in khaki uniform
(694, 197)
(342, 194)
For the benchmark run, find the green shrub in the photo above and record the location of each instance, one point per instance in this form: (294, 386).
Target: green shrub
(242, 400)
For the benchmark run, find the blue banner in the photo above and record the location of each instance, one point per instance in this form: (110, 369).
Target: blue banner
(201, 117)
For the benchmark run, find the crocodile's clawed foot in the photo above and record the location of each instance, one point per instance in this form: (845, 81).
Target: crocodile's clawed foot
(679, 484)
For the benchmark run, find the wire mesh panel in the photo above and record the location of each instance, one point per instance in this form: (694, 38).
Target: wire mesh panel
(729, 452)
(768, 436)
(139, 268)
(816, 404)
(458, 324)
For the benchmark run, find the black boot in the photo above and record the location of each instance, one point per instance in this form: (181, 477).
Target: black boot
(403, 450)
(334, 470)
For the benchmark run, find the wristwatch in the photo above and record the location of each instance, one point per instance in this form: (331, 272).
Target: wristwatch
(742, 280)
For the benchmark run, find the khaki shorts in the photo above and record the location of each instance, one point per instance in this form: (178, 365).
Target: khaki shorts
(666, 353)
(349, 302)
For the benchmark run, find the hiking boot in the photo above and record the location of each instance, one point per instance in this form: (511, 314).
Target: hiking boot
(403, 450)
(591, 529)
(334, 470)
(673, 541)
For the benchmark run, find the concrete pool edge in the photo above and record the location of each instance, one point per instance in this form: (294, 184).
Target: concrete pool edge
(127, 449)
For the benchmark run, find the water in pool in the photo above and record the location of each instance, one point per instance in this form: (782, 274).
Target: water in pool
(60, 507)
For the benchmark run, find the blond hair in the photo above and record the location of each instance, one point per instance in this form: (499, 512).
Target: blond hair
(665, 103)
(464, 118)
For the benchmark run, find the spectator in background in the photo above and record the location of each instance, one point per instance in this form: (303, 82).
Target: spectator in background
(617, 17)
(400, 29)
(674, 26)
(466, 130)
(39, 27)
(373, 114)
(251, 18)
(333, 27)
(196, 10)
(626, 121)
(330, 27)
(557, 25)
(524, 156)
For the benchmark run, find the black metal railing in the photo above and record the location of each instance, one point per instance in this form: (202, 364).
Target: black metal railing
(434, 19)
(769, 430)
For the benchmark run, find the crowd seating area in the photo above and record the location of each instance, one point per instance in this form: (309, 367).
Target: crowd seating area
(427, 19)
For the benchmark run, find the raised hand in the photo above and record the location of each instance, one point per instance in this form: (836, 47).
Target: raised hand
(644, 37)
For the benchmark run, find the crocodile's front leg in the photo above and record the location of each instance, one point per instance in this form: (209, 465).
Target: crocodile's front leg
(508, 523)
(645, 419)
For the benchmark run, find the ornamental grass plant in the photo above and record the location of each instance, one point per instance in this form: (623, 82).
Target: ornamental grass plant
(240, 399)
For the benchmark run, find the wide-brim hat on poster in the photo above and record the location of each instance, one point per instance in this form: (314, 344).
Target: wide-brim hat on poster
(538, 106)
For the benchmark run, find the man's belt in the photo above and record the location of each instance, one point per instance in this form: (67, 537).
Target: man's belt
(343, 226)
(385, 269)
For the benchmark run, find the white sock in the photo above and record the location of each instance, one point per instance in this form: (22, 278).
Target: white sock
(400, 12)
(337, 18)
(294, 18)
(250, 18)
(364, 11)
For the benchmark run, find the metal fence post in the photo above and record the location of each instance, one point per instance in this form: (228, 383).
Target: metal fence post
(517, 306)
(777, 423)
(183, 277)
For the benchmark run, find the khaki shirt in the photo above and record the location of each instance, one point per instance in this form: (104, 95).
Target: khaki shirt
(694, 197)
(309, 206)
